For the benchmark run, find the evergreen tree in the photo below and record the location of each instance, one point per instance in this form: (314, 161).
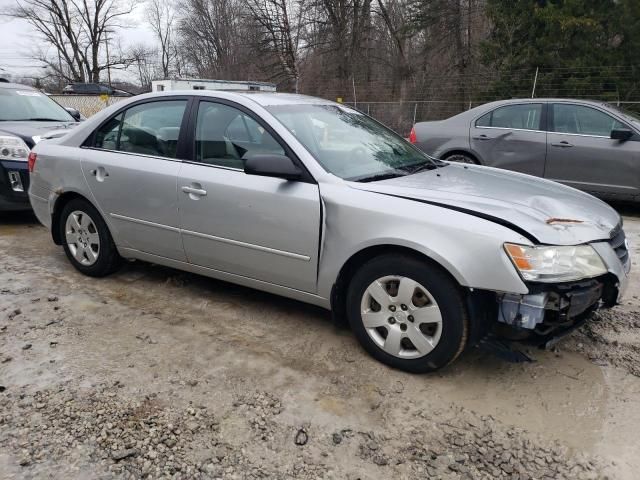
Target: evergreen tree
(583, 48)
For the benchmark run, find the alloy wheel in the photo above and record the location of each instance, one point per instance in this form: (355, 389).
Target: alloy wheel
(82, 238)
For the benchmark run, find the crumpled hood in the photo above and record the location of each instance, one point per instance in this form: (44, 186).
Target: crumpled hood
(536, 206)
(27, 130)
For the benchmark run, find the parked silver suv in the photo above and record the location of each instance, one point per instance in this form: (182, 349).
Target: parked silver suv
(588, 145)
(315, 201)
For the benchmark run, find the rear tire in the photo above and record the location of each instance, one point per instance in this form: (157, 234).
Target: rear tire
(462, 158)
(86, 239)
(416, 322)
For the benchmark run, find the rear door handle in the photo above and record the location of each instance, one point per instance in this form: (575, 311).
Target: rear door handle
(199, 192)
(482, 137)
(100, 173)
(562, 144)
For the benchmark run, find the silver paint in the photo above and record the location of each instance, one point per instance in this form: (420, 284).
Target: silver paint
(294, 238)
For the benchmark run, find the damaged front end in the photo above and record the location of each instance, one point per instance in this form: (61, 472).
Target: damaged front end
(540, 318)
(549, 312)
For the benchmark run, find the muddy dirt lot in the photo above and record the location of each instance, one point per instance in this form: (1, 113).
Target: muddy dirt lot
(153, 373)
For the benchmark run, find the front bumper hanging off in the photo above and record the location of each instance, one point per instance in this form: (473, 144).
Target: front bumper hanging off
(550, 311)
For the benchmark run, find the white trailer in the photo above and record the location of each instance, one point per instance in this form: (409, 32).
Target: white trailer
(202, 84)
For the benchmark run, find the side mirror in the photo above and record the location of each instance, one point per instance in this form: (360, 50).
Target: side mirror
(74, 113)
(271, 165)
(621, 134)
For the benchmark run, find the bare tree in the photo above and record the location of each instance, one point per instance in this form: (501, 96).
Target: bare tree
(77, 30)
(278, 27)
(212, 38)
(342, 28)
(161, 19)
(143, 61)
(392, 13)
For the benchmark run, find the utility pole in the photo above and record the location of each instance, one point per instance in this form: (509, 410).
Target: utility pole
(535, 80)
(106, 38)
(59, 73)
(355, 100)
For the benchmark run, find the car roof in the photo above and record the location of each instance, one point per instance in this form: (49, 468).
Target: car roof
(544, 100)
(275, 98)
(15, 86)
(261, 98)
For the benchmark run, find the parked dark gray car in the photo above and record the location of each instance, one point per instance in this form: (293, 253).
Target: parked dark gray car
(588, 145)
(26, 117)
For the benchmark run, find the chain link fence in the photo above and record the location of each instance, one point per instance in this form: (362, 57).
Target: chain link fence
(87, 105)
(400, 116)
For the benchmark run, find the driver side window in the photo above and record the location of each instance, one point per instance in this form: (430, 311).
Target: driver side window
(225, 134)
(583, 120)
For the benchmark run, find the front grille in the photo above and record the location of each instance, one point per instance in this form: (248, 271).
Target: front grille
(619, 244)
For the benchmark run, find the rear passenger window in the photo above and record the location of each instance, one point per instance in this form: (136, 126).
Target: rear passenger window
(523, 117)
(150, 129)
(484, 121)
(225, 134)
(107, 135)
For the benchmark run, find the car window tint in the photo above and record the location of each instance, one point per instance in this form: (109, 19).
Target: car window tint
(152, 128)
(243, 129)
(107, 134)
(526, 117)
(484, 121)
(225, 134)
(583, 120)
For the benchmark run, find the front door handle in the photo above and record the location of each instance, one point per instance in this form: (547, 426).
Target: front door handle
(562, 144)
(194, 191)
(482, 137)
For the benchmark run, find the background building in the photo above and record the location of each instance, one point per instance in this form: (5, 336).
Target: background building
(200, 84)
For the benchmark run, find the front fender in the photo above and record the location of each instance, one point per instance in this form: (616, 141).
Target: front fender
(468, 247)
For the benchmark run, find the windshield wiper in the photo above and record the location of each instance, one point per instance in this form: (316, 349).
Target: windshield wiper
(378, 176)
(41, 119)
(411, 169)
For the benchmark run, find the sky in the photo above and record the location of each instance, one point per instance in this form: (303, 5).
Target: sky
(18, 38)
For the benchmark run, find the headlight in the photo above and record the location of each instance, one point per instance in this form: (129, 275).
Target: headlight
(555, 264)
(13, 148)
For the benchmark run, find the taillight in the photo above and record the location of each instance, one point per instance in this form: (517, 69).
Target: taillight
(413, 138)
(32, 161)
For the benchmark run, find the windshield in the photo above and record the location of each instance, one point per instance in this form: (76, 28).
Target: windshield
(350, 144)
(25, 105)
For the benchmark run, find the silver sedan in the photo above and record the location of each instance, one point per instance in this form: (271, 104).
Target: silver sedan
(588, 145)
(315, 201)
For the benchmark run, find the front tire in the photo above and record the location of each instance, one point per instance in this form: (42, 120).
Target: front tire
(407, 313)
(87, 240)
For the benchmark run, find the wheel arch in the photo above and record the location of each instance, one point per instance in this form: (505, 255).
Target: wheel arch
(58, 206)
(460, 151)
(349, 268)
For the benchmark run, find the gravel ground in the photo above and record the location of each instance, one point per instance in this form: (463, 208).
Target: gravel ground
(612, 338)
(153, 373)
